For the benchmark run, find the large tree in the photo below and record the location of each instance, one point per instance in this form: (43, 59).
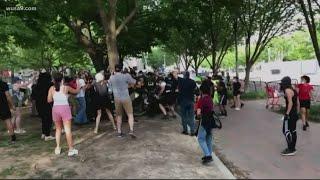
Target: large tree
(262, 21)
(309, 9)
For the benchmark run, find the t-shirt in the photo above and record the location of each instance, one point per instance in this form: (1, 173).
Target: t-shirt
(236, 87)
(82, 91)
(4, 106)
(119, 84)
(304, 91)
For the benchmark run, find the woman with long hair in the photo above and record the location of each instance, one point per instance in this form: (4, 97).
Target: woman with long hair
(102, 100)
(61, 112)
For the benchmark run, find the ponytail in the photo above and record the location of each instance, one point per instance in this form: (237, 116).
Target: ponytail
(57, 81)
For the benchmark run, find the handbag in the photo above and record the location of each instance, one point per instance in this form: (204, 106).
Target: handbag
(216, 121)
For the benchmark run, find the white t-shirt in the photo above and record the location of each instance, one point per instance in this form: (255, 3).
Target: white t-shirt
(81, 84)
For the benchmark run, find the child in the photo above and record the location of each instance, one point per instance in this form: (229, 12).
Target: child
(205, 108)
(304, 92)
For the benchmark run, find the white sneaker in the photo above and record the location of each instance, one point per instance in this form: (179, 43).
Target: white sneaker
(57, 151)
(20, 131)
(95, 131)
(237, 109)
(43, 136)
(73, 152)
(49, 138)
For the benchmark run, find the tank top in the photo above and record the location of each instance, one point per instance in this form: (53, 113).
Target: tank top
(101, 89)
(60, 98)
(294, 110)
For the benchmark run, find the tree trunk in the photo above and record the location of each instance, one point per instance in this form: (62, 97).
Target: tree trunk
(311, 27)
(97, 58)
(236, 45)
(113, 55)
(247, 77)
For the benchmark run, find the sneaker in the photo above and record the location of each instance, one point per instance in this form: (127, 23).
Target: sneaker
(185, 133)
(57, 151)
(207, 160)
(165, 117)
(43, 136)
(242, 105)
(95, 131)
(307, 124)
(73, 152)
(288, 152)
(49, 138)
(304, 127)
(132, 135)
(20, 131)
(237, 109)
(120, 135)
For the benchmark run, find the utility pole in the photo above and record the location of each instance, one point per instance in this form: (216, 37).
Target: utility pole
(235, 26)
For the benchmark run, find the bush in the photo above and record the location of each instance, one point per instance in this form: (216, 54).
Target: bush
(314, 112)
(252, 95)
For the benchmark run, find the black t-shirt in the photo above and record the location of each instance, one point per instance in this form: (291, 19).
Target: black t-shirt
(236, 87)
(187, 89)
(222, 89)
(4, 107)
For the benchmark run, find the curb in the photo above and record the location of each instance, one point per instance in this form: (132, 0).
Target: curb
(222, 167)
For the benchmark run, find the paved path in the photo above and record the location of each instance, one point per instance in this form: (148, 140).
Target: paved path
(159, 152)
(252, 140)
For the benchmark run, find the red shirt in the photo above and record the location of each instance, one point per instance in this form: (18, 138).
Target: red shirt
(305, 91)
(205, 104)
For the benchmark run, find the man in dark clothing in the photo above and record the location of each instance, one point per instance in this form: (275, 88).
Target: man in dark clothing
(6, 107)
(186, 99)
(44, 108)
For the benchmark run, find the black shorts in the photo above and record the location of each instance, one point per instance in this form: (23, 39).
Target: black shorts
(4, 115)
(305, 104)
(163, 100)
(236, 93)
(171, 99)
(223, 99)
(103, 102)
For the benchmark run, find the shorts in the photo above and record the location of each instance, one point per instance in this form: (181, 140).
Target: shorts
(172, 99)
(305, 104)
(121, 105)
(103, 102)
(4, 115)
(61, 113)
(236, 93)
(223, 99)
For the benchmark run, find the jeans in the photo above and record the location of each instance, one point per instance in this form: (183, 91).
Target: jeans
(187, 116)
(81, 116)
(205, 141)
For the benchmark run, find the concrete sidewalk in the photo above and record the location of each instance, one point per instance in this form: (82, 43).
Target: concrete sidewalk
(159, 152)
(252, 140)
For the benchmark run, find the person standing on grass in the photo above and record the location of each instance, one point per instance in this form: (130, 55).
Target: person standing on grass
(81, 117)
(120, 83)
(6, 109)
(43, 107)
(186, 98)
(205, 109)
(61, 112)
(18, 98)
(305, 94)
(291, 116)
(102, 100)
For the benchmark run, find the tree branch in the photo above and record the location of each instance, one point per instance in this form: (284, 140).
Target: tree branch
(127, 19)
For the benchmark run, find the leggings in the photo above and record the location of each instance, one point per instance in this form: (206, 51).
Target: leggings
(289, 131)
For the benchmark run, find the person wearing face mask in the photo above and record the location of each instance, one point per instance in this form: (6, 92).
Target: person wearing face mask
(305, 94)
(290, 117)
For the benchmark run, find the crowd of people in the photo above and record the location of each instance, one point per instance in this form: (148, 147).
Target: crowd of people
(64, 100)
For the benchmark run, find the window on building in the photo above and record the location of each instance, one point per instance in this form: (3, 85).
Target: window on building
(275, 71)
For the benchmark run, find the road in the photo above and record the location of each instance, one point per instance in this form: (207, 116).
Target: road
(252, 140)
